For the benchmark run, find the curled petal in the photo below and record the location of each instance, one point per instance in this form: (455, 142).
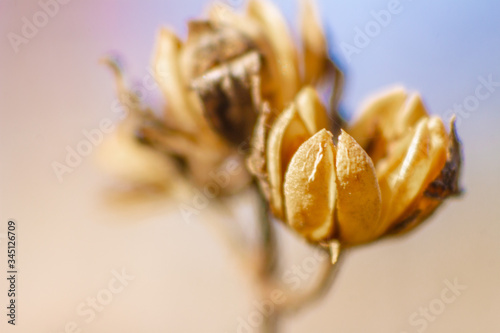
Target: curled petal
(386, 120)
(403, 186)
(380, 108)
(413, 111)
(168, 74)
(287, 134)
(231, 96)
(312, 110)
(358, 193)
(444, 186)
(316, 59)
(310, 188)
(274, 26)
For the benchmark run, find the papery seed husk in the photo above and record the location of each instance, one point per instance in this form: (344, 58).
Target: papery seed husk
(168, 74)
(394, 128)
(274, 25)
(412, 112)
(309, 189)
(315, 49)
(405, 185)
(358, 193)
(444, 186)
(312, 110)
(256, 161)
(285, 137)
(209, 45)
(447, 184)
(271, 77)
(378, 108)
(230, 94)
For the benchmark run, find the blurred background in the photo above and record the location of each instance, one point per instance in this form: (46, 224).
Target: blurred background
(177, 276)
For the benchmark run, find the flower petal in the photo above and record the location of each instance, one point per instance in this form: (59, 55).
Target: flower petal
(315, 53)
(376, 108)
(310, 188)
(274, 26)
(358, 193)
(312, 110)
(403, 187)
(168, 75)
(287, 134)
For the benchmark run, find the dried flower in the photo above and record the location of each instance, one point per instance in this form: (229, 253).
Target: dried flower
(387, 173)
(215, 84)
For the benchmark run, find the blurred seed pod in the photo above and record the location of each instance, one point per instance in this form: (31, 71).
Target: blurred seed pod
(216, 83)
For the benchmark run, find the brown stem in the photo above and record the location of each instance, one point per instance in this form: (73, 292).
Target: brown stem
(266, 278)
(324, 282)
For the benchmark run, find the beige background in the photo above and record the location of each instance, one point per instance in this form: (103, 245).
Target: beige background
(186, 280)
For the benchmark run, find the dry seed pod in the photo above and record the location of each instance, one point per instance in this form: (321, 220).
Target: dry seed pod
(285, 137)
(310, 189)
(270, 74)
(358, 198)
(445, 185)
(215, 82)
(231, 97)
(282, 73)
(419, 168)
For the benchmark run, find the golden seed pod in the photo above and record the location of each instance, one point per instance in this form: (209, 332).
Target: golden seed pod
(309, 188)
(325, 191)
(358, 199)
